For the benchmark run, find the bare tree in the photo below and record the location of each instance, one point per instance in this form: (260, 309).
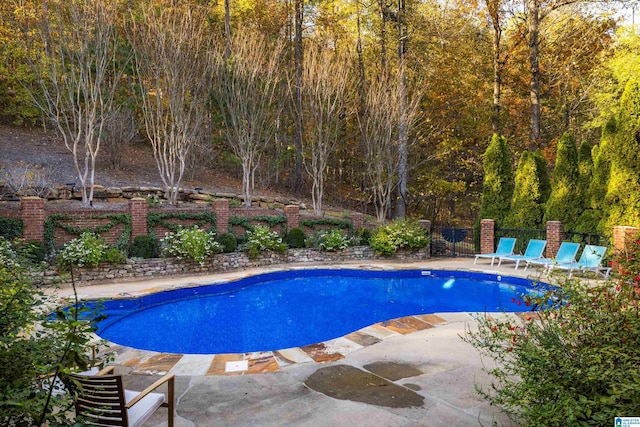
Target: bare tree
(171, 46)
(78, 73)
(245, 88)
(119, 129)
(379, 133)
(325, 93)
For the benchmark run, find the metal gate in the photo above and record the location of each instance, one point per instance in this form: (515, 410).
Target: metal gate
(454, 241)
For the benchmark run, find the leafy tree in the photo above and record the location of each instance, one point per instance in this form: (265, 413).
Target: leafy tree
(565, 203)
(497, 187)
(623, 190)
(527, 209)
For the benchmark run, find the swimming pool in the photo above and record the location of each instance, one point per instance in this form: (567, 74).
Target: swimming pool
(296, 308)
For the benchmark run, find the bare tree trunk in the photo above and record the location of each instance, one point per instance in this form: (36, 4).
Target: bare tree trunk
(403, 137)
(383, 37)
(493, 7)
(534, 51)
(298, 59)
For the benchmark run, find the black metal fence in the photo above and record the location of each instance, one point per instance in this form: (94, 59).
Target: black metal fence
(453, 242)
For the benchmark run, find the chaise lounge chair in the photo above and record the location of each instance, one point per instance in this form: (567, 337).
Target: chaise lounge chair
(566, 255)
(534, 251)
(505, 247)
(590, 260)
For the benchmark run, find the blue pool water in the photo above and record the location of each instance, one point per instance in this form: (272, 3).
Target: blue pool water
(295, 308)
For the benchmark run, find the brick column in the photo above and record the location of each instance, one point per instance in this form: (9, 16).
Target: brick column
(487, 236)
(221, 209)
(357, 219)
(622, 236)
(33, 216)
(555, 236)
(138, 209)
(292, 213)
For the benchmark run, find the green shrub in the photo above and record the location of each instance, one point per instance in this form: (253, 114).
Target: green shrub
(33, 251)
(362, 236)
(113, 256)
(402, 233)
(262, 239)
(572, 365)
(228, 241)
(146, 246)
(333, 240)
(11, 228)
(527, 206)
(86, 250)
(296, 238)
(33, 350)
(191, 243)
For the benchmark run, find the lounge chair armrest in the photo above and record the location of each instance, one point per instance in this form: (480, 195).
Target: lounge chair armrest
(107, 370)
(169, 379)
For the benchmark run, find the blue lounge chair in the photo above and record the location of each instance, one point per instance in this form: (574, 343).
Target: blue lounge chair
(566, 255)
(505, 247)
(535, 249)
(590, 260)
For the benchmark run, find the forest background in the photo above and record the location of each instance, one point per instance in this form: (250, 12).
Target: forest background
(385, 106)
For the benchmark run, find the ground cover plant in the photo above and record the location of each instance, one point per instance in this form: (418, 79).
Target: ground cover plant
(574, 362)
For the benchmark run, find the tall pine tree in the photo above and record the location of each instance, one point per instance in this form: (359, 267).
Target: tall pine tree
(497, 187)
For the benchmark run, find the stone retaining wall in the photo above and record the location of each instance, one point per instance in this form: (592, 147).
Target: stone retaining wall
(137, 268)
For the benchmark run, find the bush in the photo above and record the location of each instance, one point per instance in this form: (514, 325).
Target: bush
(191, 243)
(86, 250)
(296, 238)
(387, 239)
(362, 237)
(262, 239)
(33, 350)
(573, 365)
(113, 256)
(146, 246)
(228, 241)
(497, 186)
(11, 228)
(33, 251)
(333, 240)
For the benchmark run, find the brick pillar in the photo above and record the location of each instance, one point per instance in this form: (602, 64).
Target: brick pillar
(622, 236)
(33, 216)
(487, 236)
(292, 213)
(221, 209)
(357, 219)
(555, 236)
(426, 224)
(138, 208)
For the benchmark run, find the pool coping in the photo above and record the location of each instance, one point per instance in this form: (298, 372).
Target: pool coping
(156, 363)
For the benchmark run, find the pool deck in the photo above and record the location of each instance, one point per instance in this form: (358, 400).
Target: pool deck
(272, 388)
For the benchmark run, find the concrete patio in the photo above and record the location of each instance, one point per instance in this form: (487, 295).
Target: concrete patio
(414, 376)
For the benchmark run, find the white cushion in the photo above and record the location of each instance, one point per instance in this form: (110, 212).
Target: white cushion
(144, 408)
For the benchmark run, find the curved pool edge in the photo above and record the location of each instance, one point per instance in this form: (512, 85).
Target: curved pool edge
(150, 362)
(156, 363)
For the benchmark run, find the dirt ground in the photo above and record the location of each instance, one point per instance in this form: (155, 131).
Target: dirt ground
(35, 147)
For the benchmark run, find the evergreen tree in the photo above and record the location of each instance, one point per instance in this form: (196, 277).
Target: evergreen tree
(526, 207)
(594, 218)
(565, 203)
(622, 201)
(588, 220)
(497, 187)
(542, 170)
